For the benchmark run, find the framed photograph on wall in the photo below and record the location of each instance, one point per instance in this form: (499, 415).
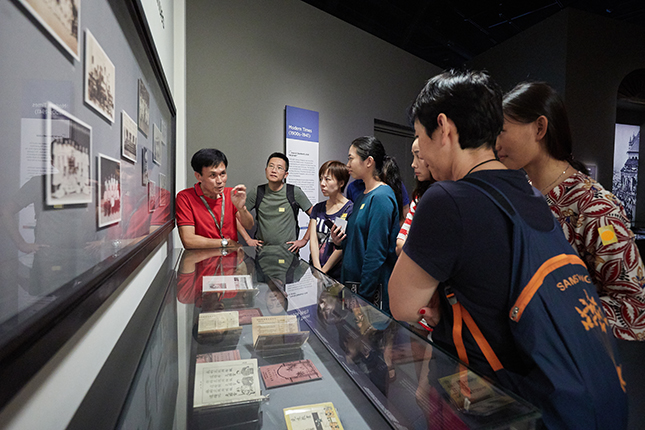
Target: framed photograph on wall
(61, 19)
(109, 182)
(129, 136)
(152, 196)
(163, 190)
(164, 131)
(68, 150)
(144, 166)
(100, 78)
(144, 109)
(156, 151)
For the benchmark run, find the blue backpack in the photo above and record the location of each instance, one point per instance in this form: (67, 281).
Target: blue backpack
(558, 324)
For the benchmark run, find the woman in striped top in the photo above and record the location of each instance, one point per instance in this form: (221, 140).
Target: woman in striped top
(423, 180)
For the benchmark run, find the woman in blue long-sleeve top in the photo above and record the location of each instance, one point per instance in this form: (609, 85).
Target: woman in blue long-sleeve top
(369, 241)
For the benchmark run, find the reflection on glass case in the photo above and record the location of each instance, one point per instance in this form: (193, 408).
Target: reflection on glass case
(362, 367)
(74, 204)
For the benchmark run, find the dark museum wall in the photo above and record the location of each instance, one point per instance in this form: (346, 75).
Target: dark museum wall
(246, 60)
(585, 57)
(538, 53)
(601, 52)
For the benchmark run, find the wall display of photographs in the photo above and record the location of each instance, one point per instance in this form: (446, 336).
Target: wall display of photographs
(144, 109)
(109, 201)
(129, 136)
(100, 78)
(61, 19)
(156, 151)
(144, 166)
(152, 196)
(75, 169)
(163, 186)
(68, 149)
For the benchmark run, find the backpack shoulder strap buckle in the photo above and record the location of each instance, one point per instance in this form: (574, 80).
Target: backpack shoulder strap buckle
(450, 295)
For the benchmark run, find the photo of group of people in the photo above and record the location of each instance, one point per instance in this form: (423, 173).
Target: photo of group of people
(128, 137)
(60, 18)
(109, 190)
(68, 173)
(144, 109)
(100, 78)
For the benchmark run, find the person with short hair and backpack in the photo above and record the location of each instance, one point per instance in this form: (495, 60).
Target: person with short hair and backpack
(488, 265)
(277, 205)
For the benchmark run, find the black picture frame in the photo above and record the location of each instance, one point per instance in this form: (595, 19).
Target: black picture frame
(30, 339)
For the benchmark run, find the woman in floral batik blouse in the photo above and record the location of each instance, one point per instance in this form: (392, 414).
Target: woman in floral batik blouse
(537, 138)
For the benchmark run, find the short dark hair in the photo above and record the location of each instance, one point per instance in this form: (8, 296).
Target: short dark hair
(338, 170)
(281, 156)
(528, 101)
(207, 157)
(471, 99)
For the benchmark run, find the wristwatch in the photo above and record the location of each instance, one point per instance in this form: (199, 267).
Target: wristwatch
(224, 243)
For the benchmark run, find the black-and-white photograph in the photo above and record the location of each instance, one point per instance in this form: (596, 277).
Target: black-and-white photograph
(144, 166)
(152, 196)
(163, 190)
(164, 132)
(100, 78)
(625, 178)
(68, 154)
(61, 18)
(109, 201)
(129, 135)
(156, 152)
(162, 182)
(144, 109)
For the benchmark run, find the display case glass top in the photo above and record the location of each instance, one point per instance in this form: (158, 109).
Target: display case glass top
(307, 341)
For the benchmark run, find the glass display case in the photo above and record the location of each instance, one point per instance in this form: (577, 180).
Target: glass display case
(274, 343)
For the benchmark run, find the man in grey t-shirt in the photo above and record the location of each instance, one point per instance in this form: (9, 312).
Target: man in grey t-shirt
(276, 218)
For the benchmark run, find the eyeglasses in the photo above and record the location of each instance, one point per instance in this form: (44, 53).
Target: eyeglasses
(273, 166)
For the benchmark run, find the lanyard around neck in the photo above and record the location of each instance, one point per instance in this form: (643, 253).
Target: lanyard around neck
(219, 224)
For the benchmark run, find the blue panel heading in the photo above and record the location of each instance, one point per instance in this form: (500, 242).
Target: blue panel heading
(301, 124)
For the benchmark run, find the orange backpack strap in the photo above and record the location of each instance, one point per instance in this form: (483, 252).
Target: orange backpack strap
(483, 344)
(457, 337)
(461, 314)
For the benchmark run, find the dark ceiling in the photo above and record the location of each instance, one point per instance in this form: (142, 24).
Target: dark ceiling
(449, 33)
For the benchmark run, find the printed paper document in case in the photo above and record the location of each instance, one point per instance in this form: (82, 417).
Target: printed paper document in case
(210, 322)
(277, 375)
(484, 398)
(320, 416)
(211, 357)
(226, 382)
(276, 332)
(246, 315)
(212, 284)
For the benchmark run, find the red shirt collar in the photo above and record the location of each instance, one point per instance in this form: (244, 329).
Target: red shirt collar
(200, 192)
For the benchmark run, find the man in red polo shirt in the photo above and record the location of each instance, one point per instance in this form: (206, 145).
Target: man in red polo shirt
(209, 212)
